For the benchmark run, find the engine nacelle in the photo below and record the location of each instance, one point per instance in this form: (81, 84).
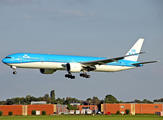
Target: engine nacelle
(47, 71)
(73, 67)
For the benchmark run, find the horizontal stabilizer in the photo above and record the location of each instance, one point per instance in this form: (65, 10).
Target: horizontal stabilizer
(144, 62)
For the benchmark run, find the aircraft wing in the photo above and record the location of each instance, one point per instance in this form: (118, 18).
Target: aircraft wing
(104, 61)
(144, 62)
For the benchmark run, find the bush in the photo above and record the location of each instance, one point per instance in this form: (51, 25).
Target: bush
(127, 111)
(33, 112)
(43, 112)
(1, 113)
(118, 112)
(10, 113)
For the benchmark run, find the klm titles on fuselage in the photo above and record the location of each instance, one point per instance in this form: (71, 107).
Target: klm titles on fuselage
(30, 58)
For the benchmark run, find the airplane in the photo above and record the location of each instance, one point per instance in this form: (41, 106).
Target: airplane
(50, 63)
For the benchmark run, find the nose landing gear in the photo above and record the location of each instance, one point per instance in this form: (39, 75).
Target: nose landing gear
(14, 72)
(14, 68)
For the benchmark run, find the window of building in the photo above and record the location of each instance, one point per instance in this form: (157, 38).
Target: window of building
(122, 112)
(92, 107)
(156, 106)
(122, 106)
(85, 107)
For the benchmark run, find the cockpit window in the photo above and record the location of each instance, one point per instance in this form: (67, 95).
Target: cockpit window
(8, 57)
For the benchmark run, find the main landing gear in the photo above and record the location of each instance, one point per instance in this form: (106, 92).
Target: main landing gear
(70, 76)
(84, 75)
(81, 75)
(14, 68)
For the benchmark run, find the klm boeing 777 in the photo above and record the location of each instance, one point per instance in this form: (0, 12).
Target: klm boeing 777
(49, 63)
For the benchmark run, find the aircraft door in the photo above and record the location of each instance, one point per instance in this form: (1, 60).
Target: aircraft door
(123, 64)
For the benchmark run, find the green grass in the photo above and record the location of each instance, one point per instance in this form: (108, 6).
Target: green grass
(81, 117)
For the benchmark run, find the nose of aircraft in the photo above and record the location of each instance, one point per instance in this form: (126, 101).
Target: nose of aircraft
(4, 60)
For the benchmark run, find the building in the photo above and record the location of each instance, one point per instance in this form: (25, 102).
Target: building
(75, 103)
(133, 107)
(27, 109)
(38, 102)
(84, 109)
(61, 109)
(94, 108)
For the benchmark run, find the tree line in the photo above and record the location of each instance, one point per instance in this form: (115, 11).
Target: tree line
(50, 99)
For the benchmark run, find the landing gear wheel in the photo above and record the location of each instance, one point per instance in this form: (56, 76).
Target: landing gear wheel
(66, 75)
(81, 74)
(70, 76)
(14, 72)
(84, 75)
(88, 76)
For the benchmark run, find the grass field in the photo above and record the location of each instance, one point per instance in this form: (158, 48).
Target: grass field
(69, 117)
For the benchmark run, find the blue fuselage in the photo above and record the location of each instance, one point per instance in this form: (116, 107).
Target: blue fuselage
(22, 58)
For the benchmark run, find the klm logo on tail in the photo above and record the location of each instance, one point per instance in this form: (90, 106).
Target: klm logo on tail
(133, 51)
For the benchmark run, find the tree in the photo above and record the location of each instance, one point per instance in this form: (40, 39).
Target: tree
(127, 111)
(146, 101)
(43, 112)
(10, 113)
(60, 101)
(69, 99)
(33, 112)
(137, 101)
(28, 99)
(158, 100)
(70, 107)
(110, 99)
(95, 101)
(118, 112)
(155, 100)
(9, 102)
(1, 113)
(161, 100)
(43, 99)
(52, 95)
(46, 96)
(88, 99)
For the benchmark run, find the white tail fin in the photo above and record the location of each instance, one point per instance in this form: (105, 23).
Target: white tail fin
(135, 49)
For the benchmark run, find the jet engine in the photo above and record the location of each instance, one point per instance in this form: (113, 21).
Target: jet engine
(47, 71)
(73, 67)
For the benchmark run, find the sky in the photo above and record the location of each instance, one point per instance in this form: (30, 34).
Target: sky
(105, 28)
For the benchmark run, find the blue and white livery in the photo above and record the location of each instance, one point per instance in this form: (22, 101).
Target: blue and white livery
(49, 63)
